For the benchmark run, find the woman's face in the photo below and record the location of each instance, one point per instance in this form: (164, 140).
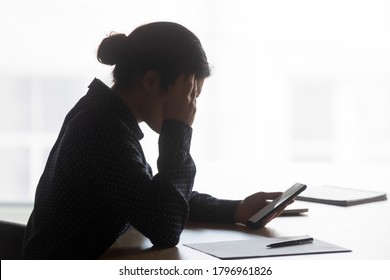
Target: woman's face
(154, 117)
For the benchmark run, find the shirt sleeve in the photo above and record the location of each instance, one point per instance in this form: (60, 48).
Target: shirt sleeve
(156, 205)
(174, 139)
(205, 208)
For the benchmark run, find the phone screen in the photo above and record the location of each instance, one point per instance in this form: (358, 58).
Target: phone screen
(257, 219)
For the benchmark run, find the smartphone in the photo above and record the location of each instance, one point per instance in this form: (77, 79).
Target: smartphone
(281, 201)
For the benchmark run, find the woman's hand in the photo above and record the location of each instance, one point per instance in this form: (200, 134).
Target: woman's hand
(253, 203)
(180, 103)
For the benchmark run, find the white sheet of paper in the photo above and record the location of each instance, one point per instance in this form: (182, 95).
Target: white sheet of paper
(255, 248)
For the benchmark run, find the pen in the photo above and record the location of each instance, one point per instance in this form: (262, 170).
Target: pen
(291, 242)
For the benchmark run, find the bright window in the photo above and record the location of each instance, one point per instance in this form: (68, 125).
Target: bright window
(300, 90)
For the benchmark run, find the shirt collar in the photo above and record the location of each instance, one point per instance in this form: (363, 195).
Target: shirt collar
(99, 88)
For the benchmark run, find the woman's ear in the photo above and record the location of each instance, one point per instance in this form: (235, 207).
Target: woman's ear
(151, 81)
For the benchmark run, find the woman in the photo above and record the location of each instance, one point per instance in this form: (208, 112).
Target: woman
(97, 183)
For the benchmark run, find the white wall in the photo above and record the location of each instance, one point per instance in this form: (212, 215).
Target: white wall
(300, 90)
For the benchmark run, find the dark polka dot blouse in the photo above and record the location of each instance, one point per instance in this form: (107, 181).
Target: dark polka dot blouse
(96, 184)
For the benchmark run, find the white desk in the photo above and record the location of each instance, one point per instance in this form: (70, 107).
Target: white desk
(365, 229)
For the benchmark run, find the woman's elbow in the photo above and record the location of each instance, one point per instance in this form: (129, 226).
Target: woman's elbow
(166, 239)
(165, 243)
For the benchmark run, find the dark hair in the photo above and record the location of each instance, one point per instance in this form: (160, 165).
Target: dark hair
(166, 47)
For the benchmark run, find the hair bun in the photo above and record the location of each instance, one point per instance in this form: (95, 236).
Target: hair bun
(112, 48)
